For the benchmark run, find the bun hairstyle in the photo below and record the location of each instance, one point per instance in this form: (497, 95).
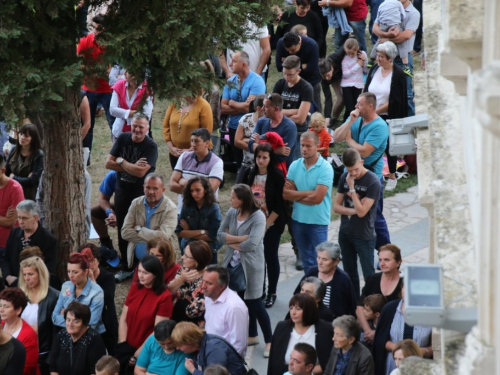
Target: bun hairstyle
(83, 259)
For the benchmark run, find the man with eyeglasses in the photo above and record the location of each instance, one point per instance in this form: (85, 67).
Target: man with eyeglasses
(29, 233)
(306, 49)
(133, 156)
(297, 95)
(200, 162)
(240, 90)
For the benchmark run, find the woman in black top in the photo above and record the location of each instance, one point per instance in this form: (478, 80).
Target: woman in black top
(388, 283)
(77, 348)
(25, 162)
(331, 72)
(12, 354)
(106, 281)
(266, 182)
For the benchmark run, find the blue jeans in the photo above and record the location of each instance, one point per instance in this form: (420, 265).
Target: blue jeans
(409, 83)
(351, 248)
(94, 99)
(381, 230)
(307, 237)
(359, 28)
(373, 4)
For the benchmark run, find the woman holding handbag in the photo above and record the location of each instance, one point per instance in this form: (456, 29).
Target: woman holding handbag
(243, 231)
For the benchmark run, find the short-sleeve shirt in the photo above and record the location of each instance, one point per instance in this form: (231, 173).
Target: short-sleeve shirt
(293, 97)
(252, 85)
(10, 195)
(143, 307)
(411, 22)
(211, 166)
(108, 185)
(154, 359)
(251, 46)
(131, 151)
(376, 134)
(367, 186)
(320, 173)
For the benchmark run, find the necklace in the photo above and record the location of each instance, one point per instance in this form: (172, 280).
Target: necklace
(15, 328)
(183, 112)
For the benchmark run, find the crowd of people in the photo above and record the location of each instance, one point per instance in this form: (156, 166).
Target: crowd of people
(198, 315)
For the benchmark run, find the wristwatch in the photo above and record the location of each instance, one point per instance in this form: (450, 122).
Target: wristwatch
(109, 211)
(352, 191)
(119, 160)
(138, 228)
(203, 231)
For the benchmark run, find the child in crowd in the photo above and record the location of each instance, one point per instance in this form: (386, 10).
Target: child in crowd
(318, 124)
(373, 305)
(354, 64)
(107, 365)
(392, 14)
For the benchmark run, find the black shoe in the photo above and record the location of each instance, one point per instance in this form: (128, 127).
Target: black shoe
(270, 300)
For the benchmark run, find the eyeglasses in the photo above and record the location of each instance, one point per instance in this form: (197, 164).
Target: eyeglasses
(24, 218)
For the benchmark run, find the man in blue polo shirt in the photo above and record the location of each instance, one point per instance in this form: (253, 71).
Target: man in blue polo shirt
(367, 132)
(199, 162)
(309, 185)
(240, 90)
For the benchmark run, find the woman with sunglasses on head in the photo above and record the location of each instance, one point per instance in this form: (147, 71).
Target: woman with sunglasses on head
(181, 118)
(34, 282)
(106, 280)
(200, 215)
(81, 288)
(266, 182)
(25, 162)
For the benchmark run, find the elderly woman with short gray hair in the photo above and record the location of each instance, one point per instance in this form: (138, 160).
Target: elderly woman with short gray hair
(349, 356)
(316, 288)
(388, 82)
(340, 296)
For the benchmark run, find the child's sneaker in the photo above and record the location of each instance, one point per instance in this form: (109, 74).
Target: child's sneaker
(407, 71)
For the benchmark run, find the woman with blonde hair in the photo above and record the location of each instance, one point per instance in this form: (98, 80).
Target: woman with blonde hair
(210, 349)
(404, 349)
(42, 299)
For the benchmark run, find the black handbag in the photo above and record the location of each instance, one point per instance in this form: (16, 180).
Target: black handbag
(237, 280)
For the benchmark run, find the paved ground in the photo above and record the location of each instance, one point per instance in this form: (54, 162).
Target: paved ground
(409, 228)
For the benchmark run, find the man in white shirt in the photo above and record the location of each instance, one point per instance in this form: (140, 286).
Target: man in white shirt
(226, 314)
(258, 49)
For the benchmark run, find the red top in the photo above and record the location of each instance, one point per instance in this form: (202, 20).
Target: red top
(324, 138)
(143, 307)
(10, 195)
(29, 339)
(357, 11)
(92, 51)
(169, 274)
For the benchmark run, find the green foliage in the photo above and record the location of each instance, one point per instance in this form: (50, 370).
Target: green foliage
(166, 37)
(37, 56)
(170, 38)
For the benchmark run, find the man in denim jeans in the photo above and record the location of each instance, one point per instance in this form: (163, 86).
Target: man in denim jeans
(356, 200)
(309, 186)
(410, 26)
(356, 12)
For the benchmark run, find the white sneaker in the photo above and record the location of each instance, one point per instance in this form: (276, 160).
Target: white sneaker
(391, 184)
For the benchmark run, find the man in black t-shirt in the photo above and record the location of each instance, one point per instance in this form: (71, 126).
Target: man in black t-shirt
(356, 200)
(297, 95)
(133, 156)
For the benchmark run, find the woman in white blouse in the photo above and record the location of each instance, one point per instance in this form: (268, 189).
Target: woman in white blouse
(387, 81)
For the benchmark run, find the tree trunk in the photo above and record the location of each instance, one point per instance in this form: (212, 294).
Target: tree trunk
(64, 179)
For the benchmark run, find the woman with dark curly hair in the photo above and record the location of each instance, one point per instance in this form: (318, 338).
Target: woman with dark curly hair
(200, 215)
(186, 287)
(25, 162)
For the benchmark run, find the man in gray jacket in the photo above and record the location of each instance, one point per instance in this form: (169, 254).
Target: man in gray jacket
(149, 216)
